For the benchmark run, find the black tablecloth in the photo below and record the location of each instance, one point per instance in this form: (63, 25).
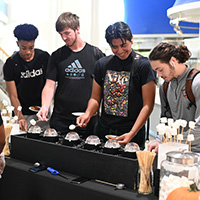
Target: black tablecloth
(18, 183)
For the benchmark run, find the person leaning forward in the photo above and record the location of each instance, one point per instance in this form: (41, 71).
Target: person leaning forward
(168, 61)
(71, 67)
(126, 84)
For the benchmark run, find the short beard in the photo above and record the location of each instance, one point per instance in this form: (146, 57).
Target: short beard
(172, 71)
(73, 41)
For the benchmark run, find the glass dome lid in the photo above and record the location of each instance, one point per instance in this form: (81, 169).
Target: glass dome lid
(72, 136)
(112, 143)
(131, 147)
(93, 140)
(182, 157)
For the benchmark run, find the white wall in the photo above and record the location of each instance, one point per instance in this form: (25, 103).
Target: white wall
(95, 16)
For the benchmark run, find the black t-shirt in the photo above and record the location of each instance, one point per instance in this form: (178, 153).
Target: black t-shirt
(122, 90)
(73, 73)
(29, 78)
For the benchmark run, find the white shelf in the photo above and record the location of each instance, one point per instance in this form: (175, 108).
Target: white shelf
(189, 12)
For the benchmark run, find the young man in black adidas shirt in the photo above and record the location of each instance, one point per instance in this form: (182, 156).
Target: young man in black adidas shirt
(168, 61)
(71, 66)
(126, 84)
(24, 74)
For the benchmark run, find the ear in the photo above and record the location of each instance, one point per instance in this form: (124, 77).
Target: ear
(132, 40)
(17, 43)
(172, 61)
(78, 30)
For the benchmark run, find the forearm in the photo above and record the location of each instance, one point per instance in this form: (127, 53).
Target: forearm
(148, 95)
(16, 103)
(47, 96)
(12, 91)
(93, 107)
(141, 120)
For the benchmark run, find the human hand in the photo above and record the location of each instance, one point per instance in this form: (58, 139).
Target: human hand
(153, 146)
(2, 163)
(125, 138)
(83, 120)
(42, 114)
(23, 124)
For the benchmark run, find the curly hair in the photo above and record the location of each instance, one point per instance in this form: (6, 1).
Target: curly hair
(27, 32)
(164, 52)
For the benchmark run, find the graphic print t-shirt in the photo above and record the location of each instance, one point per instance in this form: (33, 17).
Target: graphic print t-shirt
(122, 89)
(73, 73)
(116, 87)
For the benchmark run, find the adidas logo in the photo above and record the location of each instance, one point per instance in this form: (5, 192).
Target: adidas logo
(75, 70)
(31, 74)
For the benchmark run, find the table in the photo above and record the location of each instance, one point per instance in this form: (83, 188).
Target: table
(18, 183)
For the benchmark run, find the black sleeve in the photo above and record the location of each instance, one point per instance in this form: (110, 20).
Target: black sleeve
(97, 73)
(51, 72)
(8, 70)
(98, 53)
(45, 58)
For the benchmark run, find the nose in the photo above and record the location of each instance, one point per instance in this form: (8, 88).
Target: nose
(159, 74)
(28, 51)
(119, 50)
(64, 37)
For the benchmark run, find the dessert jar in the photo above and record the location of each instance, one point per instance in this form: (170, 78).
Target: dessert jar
(180, 169)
